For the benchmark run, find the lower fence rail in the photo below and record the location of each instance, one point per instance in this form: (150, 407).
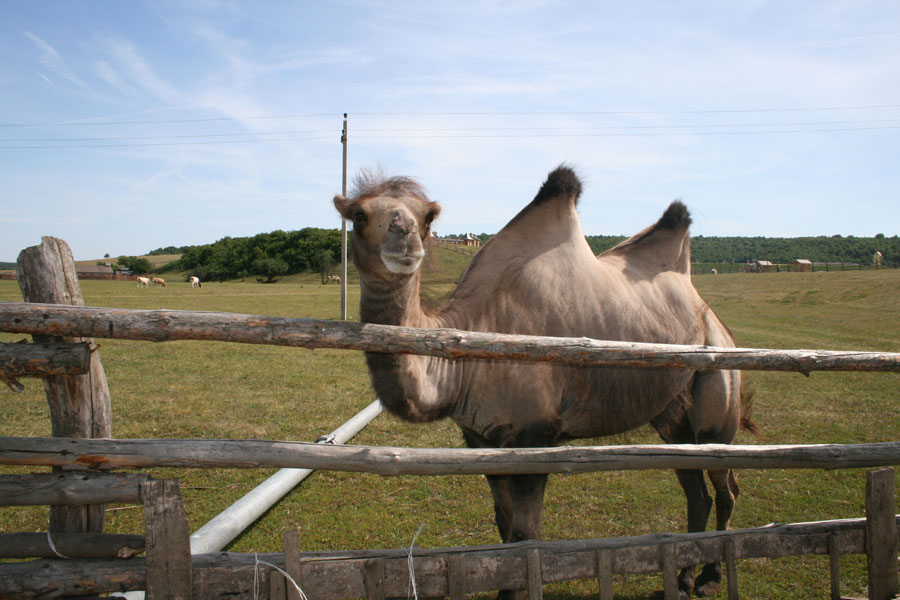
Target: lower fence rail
(437, 572)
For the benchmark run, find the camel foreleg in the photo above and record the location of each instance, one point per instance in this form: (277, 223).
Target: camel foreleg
(518, 503)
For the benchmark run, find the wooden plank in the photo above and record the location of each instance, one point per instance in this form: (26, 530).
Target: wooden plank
(40, 360)
(374, 575)
(456, 576)
(338, 575)
(141, 454)
(70, 545)
(535, 574)
(277, 585)
(669, 567)
(79, 404)
(731, 568)
(168, 545)
(292, 563)
(168, 325)
(834, 559)
(881, 534)
(70, 488)
(605, 569)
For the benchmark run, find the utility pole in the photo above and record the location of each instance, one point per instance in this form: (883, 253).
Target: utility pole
(344, 227)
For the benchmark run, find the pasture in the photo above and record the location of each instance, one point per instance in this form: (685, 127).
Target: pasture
(219, 390)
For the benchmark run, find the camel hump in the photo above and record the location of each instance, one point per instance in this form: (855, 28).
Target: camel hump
(666, 244)
(562, 182)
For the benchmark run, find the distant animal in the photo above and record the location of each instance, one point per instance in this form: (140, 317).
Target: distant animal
(143, 281)
(714, 271)
(640, 291)
(335, 278)
(877, 258)
(159, 281)
(195, 281)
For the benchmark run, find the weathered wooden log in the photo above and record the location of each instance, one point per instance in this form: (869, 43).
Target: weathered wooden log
(339, 575)
(41, 360)
(70, 488)
(142, 454)
(70, 545)
(169, 325)
(79, 404)
(881, 535)
(168, 548)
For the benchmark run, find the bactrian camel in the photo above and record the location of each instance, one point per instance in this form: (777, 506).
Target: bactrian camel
(538, 276)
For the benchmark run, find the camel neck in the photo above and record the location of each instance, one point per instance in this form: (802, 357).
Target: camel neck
(393, 302)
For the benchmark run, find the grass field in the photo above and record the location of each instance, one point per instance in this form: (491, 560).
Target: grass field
(218, 390)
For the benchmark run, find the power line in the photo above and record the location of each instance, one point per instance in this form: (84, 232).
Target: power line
(466, 136)
(450, 129)
(82, 123)
(460, 113)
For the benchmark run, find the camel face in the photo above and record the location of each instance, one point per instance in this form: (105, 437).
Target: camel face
(388, 232)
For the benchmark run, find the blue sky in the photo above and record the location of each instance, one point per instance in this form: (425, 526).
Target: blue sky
(127, 126)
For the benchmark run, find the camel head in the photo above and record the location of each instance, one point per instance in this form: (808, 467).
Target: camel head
(391, 221)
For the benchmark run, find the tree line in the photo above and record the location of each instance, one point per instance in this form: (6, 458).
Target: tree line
(268, 256)
(837, 248)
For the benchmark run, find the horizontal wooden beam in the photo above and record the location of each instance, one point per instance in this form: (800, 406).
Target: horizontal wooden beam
(169, 325)
(127, 454)
(70, 488)
(337, 575)
(70, 545)
(40, 360)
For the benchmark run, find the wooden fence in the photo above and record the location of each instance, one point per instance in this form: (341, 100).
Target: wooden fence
(100, 563)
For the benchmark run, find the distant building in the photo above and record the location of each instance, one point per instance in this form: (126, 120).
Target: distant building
(94, 272)
(762, 266)
(802, 265)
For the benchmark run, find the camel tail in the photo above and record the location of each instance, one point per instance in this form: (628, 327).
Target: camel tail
(747, 423)
(561, 182)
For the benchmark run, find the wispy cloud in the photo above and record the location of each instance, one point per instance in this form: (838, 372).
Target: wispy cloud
(54, 61)
(107, 73)
(127, 55)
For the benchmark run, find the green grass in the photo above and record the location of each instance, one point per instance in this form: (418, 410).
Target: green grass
(218, 390)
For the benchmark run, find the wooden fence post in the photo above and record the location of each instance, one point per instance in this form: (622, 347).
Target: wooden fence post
(168, 545)
(881, 535)
(79, 404)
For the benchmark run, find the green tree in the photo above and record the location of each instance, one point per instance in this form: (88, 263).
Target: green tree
(138, 265)
(270, 268)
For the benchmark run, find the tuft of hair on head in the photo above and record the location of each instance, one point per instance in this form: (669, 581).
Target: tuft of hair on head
(375, 182)
(676, 216)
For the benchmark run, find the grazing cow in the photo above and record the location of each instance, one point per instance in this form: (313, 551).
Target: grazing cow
(335, 278)
(143, 281)
(159, 281)
(195, 281)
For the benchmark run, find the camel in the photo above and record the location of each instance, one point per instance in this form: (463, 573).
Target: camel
(538, 276)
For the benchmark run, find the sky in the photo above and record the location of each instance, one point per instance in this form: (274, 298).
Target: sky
(130, 126)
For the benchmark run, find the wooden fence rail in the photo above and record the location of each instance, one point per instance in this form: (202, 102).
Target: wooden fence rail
(169, 325)
(323, 575)
(141, 454)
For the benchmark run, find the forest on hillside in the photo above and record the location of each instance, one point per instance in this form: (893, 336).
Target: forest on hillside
(311, 250)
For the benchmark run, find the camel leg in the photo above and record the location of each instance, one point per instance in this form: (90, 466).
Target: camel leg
(699, 504)
(725, 483)
(518, 503)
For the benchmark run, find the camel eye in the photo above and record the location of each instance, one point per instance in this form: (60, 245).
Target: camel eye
(359, 218)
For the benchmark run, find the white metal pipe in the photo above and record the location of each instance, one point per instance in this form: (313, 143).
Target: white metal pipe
(226, 526)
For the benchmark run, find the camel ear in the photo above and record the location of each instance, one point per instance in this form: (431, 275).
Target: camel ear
(434, 209)
(343, 205)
